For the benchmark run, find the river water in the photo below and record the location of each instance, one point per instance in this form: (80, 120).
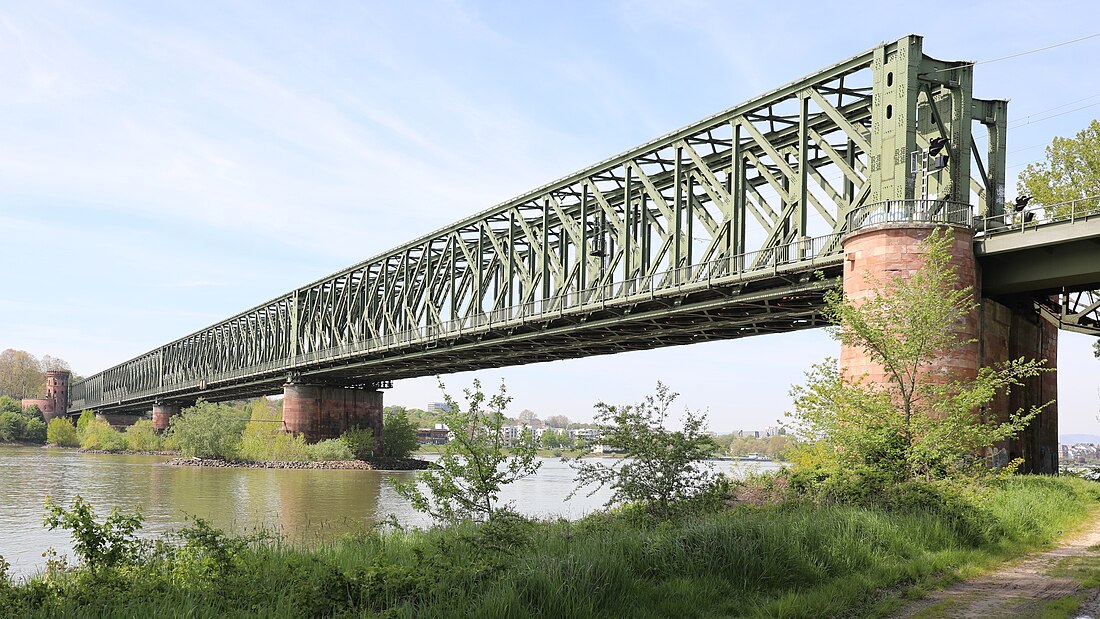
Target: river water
(305, 506)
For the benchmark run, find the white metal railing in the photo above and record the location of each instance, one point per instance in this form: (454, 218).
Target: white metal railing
(909, 211)
(1029, 218)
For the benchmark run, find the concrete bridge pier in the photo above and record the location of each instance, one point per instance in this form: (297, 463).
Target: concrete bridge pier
(1000, 332)
(163, 413)
(1012, 330)
(320, 412)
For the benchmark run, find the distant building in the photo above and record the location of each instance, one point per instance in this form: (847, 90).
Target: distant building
(439, 407)
(439, 435)
(765, 433)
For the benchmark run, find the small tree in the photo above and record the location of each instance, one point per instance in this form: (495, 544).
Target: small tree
(142, 436)
(360, 442)
(110, 544)
(1071, 171)
(922, 423)
(398, 435)
(61, 432)
(466, 483)
(661, 466)
(264, 438)
(9, 405)
(208, 430)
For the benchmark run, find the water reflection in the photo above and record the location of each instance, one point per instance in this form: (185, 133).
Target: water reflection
(305, 506)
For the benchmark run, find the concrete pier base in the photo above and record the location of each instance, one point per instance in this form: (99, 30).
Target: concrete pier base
(162, 415)
(320, 412)
(1011, 332)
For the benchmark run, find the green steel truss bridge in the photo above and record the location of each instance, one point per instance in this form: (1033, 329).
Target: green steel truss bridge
(729, 227)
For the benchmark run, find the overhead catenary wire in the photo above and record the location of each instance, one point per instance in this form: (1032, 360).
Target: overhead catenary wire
(1018, 54)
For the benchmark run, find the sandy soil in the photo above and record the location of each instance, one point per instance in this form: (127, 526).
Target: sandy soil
(1023, 588)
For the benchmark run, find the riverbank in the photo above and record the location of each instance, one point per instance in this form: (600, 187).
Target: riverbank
(375, 464)
(794, 559)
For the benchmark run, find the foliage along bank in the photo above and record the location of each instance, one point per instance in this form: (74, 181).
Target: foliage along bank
(243, 431)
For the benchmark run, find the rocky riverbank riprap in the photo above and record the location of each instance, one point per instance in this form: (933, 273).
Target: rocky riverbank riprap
(379, 464)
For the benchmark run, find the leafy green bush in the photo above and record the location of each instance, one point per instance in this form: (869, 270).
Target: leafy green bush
(264, 438)
(466, 482)
(100, 436)
(11, 427)
(662, 467)
(9, 404)
(61, 432)
(34, 431)
(86, 417)
(398, 435)
(331, 449)
(360, 442)
(109, 544)
(208, 430)
(142, 436)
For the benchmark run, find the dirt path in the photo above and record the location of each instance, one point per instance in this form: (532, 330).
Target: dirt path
(1064, 582)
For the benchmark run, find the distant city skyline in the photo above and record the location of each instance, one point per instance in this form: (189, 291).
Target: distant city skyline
(166, 165)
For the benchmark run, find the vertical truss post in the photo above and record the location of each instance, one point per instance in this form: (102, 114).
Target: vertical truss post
(996, 123)
(545, 250)
(581, 252)
(738, 208)
(803, 166)
(893, 118)
(628, 224)
(677, 211)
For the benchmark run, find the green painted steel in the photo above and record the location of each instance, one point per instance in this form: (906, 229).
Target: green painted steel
(713, 231)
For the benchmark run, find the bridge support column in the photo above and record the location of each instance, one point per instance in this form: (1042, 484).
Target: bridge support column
(1010, 332)
(1000, 333)
(320, 412)
(162, 415)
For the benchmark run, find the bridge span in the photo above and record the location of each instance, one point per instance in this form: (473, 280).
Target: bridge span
(730, 227)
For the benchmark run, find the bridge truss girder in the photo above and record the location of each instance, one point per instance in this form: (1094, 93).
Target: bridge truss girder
(756, 195)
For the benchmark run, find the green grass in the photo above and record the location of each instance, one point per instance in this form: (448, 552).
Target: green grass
(792, 560)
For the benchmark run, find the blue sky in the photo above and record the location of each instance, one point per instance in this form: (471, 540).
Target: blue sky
(165, 165)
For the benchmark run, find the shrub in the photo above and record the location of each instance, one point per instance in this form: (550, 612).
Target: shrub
(99, 435)
(110, 544)
(61, 432)
(11, 427)
(360, 442)
(86, 417)
(662, 467)
(398, 435)
(466, 483)
(142, 436)
(34, 431)
(331, 449)
(265, 440)
(9, 404)
(208, 430)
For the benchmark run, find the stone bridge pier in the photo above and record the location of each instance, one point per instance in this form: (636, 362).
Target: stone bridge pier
(319, 411)
(1001, 330)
